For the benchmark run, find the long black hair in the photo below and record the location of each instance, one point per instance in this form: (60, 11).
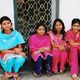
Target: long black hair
(3, 18)
(63, 27)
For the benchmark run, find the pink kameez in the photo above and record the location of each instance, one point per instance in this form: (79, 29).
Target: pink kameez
(58, 56)
(36, 42)
(74, 50)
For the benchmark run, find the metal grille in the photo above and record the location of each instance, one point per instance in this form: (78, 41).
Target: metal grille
(31, 12)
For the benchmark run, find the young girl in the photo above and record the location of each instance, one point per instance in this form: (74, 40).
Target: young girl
(58, 46)
(73, 39)
(12, 57)
(40, 45)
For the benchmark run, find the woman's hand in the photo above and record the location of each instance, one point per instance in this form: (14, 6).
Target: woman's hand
(17, 50)
(22, 54)
(73, 43)
(8, 51)
(40, 50)
(61, 48)
(43, 49)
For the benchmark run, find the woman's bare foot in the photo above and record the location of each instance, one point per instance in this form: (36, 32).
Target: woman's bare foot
(75, 77)
(23, 54)
(4, 78)
(16, 76)
(8, 74)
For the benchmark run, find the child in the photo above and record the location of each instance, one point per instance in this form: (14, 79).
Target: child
(40, 46)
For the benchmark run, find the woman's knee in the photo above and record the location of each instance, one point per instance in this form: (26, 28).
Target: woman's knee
(49, 57)
(19, 60)
(55, 54)
(64, 54)
(73, 48)
(10, 61)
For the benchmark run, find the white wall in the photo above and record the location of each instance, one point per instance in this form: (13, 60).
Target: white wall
(6, 9)
(53, 16)
(69, 9)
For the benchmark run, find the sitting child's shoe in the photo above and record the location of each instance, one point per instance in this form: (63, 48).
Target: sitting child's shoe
(36, 75)
(49, 74)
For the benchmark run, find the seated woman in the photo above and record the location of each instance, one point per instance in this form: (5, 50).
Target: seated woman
(40, 46)
(59, 52)
(73, 39)
(11, 51)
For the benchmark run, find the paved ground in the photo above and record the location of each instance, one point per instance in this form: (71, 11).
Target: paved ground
(29, 76)
(65, 76)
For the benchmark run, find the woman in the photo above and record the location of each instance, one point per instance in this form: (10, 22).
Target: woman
(11, 51)
(58, 46)
(73, 39)
(40, 45)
